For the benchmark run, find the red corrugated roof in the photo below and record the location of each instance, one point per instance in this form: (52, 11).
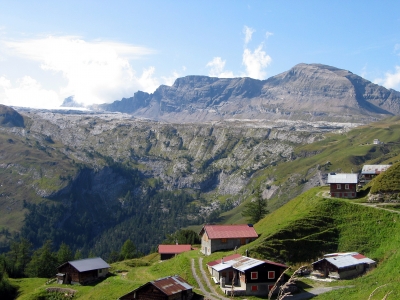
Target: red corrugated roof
(171, 285)
(359, 256)
(173, 249)
(275, 263)
(230, 231)
(226, 258)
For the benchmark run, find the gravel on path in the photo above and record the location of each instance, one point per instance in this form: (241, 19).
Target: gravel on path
(207, 295)
(210, 286)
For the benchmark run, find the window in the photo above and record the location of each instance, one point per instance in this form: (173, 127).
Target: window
(346, 186)
(254, 288)
(223, 240)
(338, 186)
(271, 274)
(270, 287)
(100, 271)
(254, 275)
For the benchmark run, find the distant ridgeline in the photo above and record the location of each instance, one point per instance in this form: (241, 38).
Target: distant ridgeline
(312, 92)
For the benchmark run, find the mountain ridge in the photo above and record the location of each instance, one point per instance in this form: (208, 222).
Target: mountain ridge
(311, 92)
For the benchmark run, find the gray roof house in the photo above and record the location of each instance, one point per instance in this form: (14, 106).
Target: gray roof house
(82, 271)
(368, 172)
(249, 276)
(343, 185)
(342, 265)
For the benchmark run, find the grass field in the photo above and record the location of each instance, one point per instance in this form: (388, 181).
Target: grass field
(299, 231)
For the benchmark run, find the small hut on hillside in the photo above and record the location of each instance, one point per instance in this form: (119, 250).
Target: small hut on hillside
(82, 271)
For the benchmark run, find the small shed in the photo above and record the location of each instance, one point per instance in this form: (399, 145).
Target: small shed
(342, 265)
(343, 185)
(82, 271)
(168, 288)
(169, 251)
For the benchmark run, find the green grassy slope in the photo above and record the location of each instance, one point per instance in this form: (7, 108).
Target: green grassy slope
(311, 225)
(299, 232)
(387, 182)
(338, 152)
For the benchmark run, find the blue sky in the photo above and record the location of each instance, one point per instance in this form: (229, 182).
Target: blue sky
(101, 51)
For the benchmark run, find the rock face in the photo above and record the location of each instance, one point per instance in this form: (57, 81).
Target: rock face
(70, 102)
(311, 92)
(10, 118)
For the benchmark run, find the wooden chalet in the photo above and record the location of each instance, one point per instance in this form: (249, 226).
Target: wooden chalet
(225, 237)
(249, 276)
(82, 271)
(343, 185)
(342, 265)
(169, 251)
(168, 288)
(369, 172)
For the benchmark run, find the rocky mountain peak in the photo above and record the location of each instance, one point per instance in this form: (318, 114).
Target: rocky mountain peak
(313, 92)
(10, 118)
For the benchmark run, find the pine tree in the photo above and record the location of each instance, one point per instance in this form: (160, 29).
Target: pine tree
(43, 263)
(256, 209)
(64, 254)
(128, 250)
(78, 255)
(19, 256)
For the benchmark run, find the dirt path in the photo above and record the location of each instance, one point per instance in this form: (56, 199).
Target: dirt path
(213, 295)
(205, 277)
(207, 295)
(379, 207)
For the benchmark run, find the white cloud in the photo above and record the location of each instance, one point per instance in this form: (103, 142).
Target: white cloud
(255, 62)
(217, 66)
(169, 80)
(391, 80)
(248, 33)
(268, 34)
(96, 72)
(26, 91)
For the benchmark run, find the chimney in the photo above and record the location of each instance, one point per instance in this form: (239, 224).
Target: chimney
(222, 260)
(247, 252)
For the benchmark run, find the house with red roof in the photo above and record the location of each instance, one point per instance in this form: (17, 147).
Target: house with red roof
(225, 237)
(167, 288)
(249, 276)
(169, 251)
(342, 265)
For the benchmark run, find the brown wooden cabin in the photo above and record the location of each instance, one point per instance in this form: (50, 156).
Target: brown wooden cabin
(168, 288)
(82, 271)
